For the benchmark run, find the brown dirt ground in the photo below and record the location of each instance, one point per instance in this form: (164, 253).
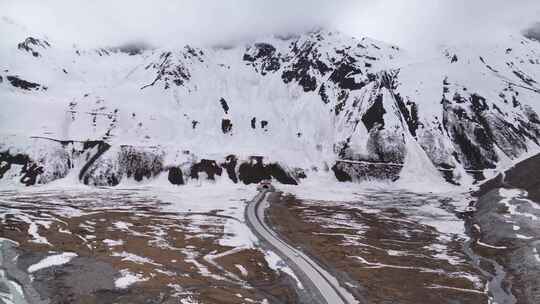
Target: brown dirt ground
(164, 238)
(411, 282)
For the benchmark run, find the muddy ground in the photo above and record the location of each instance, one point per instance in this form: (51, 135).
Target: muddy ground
(384, 246)
(171, 256)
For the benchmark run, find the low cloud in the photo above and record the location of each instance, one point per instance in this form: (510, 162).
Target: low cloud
(533, 32)
(423, 23)
(411, 23)
(169, 22)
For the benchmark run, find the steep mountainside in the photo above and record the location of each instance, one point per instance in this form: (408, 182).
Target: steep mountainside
(282, 108)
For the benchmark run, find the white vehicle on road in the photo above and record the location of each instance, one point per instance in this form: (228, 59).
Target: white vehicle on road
(265, 185)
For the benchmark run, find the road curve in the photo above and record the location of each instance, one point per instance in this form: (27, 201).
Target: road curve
(328, 286)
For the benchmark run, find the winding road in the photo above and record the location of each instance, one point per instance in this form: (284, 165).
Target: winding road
(308, 271)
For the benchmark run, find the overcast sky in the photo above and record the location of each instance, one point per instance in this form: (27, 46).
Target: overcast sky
(409, 23)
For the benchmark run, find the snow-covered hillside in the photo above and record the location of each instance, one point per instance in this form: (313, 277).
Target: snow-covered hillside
(281, 107)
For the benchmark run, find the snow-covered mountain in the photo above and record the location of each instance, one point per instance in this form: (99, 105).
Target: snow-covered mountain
(279, 107)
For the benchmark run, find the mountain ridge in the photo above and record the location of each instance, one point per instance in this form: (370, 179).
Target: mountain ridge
(320, 100)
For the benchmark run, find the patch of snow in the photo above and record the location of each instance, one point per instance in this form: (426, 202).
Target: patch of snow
(237, 234)
(277, 264)
(189, 300)
(126, 256)
(536, 255)
(53, 260)
(128, 278)
(242, 269)
(511, 199)
(112, 243)
(122, 225)
(490, 246)
(33, 231)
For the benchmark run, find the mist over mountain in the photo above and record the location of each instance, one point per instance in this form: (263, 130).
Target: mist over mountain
(533, 32)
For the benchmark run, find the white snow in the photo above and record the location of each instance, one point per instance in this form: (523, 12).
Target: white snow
(112, 243)
(53, 260)
(101, 94)
(128, 278)
(237, 234)
(536, 255)
(276, 263)
(122, 225)
(490, 246)
(242, 270)
(126, 256)
(512, 198)
(189, 300)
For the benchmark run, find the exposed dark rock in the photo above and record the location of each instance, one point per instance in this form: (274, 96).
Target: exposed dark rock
(448, 176)
(226, 126)
(411, 117)
(299, 173)
(7, 160)
(139, 163)
(23, 84)
(526, 79)
(307, 82)
(102, 147)
(475, 130)
(343, 74)
(264, 57)
(374, 115)
(282, 176)
(341, 101)
(230, 167)
(17, 159)
(260, 50)
(171, 69)
(31, 172)
(210, 167)
(31, 44)
(102, 52)
(175, 176)
(108, 169)
(471, 151)
(323, 94)
(224, 105)
(264, 123)
(362, 171)
(341, 174)
(4, 167)
(253, 122)
(254, 171)
(304, 65)
(524, 175)
(45, 168)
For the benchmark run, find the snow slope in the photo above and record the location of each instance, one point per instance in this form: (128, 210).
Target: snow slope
(280, 108)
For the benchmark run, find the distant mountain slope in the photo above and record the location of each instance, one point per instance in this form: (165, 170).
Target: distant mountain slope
(365, 108)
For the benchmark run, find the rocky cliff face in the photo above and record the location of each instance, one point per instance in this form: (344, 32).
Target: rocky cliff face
(279, 108)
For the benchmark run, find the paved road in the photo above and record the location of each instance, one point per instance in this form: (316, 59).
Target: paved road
(328, 286)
